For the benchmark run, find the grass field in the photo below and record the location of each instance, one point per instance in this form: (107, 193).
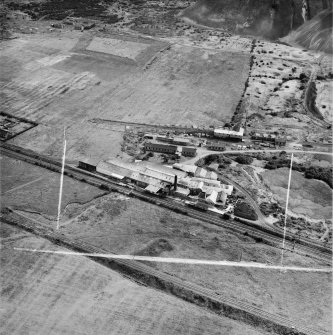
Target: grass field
(129, 226)
(53, 294)
(31, 188)
(308, 197)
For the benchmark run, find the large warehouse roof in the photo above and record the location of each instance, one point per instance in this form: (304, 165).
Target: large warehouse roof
(227, 132)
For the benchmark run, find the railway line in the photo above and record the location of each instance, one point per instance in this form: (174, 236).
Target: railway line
(259, 233)
(146, 275)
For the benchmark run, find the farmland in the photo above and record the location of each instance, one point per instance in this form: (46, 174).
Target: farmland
(128, 226)
(69, 79)
(68, 294)
(31, 188)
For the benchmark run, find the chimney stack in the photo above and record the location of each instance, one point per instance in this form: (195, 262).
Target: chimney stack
(175, 183)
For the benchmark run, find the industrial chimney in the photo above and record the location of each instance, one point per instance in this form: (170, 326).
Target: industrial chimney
(175, 183)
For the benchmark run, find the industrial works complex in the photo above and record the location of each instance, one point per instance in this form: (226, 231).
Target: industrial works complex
(180, 180)
(198, 186)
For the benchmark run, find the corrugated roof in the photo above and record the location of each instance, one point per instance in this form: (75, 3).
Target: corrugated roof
(108, 168)
(185, 167)
(146, 179)
(152, 189)
(159, 175)
(208, 182)
(183, 191)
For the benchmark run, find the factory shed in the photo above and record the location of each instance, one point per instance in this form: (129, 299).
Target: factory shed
(185, 167)
(110, 168)
(88, 164)
(160, 147)
(181, 141)
(163, 138)
(211, 175)
(200, 173)
(216, 146)
(182, 192)
(208, 182)
(213, 197)
(226, 133)
(117, 176)
(143, 180)
(169, 178)
(189, 152)
(153, 189)
(162, 168)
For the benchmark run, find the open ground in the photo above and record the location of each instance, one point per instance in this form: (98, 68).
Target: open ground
(73, 292)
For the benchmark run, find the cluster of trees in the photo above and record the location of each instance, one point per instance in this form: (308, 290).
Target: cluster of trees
(214, 158)
(4, 26)
(244, 159)
(269, 208)
(245, 210)
(320, 173)
(310, 172)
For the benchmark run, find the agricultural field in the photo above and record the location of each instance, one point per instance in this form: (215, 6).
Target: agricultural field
(34, 189)
(128, 226)
(69, 78)
(76, 295)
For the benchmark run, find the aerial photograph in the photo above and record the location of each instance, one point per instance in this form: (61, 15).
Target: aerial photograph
(166, 167)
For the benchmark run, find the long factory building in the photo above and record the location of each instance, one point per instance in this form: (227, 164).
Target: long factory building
(181, 180)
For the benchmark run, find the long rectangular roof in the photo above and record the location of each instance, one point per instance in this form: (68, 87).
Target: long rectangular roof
(108, 168)
(229, 132)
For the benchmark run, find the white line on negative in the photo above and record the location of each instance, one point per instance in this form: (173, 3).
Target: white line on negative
(181, 260)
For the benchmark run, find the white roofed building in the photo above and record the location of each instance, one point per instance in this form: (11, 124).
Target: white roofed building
(226, 133)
